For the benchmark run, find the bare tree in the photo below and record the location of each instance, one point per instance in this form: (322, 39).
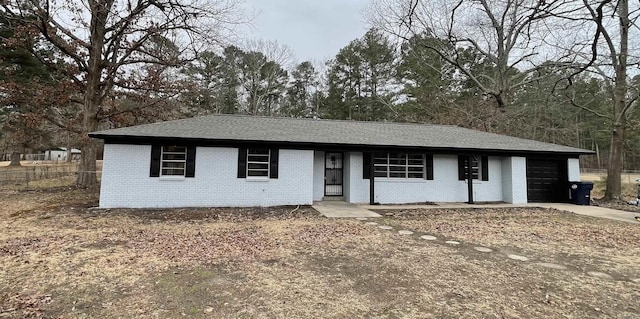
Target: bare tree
(117, 46)
(611, 57)
(511, 37)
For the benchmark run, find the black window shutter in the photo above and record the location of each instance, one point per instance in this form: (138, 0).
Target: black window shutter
(366, 165)
(462, 172)
(156, 153)
(484, 161)
(191, 161)
(429, 166)
(242, 163)
(273, 163)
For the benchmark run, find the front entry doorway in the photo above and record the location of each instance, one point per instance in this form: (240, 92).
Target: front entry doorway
(333, 174)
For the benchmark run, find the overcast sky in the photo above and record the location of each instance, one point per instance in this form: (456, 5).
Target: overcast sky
(314, 29)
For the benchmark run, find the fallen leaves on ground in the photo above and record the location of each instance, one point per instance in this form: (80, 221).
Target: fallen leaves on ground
(60, 259)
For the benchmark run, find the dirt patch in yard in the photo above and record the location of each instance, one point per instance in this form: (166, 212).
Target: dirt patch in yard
(546, 234)
(59, 259)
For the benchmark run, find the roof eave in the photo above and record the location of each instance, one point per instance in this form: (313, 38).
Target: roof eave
(138, 139)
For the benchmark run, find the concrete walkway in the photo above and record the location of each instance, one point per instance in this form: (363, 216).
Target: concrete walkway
(342, 209)
(442, 206)
(594, 211)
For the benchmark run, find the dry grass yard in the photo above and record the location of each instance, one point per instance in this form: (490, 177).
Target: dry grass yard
(59, 259)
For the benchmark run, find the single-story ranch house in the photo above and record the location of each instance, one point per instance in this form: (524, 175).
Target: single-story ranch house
(231, 160)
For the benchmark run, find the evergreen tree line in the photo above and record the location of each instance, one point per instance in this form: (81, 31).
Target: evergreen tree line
(374, 78)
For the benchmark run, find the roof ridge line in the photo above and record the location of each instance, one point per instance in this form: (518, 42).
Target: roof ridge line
(319, 119)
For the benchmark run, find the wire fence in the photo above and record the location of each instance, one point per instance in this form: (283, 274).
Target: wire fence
(41, 176)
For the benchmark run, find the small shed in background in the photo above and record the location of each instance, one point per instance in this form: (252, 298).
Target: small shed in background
(60, 154)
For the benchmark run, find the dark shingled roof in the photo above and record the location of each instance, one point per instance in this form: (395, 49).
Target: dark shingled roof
(331, 132)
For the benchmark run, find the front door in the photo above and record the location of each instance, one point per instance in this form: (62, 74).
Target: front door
(333, 174)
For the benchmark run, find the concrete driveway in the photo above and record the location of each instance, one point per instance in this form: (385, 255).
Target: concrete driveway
(594, 211)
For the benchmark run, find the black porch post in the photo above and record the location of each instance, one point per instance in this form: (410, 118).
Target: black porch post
(470, 179)
(372, 187)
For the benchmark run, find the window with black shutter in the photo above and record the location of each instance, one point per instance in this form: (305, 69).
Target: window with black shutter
(479, 167)
(172, 160)
(398, 165)
(258, 163)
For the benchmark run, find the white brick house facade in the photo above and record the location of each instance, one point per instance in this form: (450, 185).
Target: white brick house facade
(239, 160)
(126, 182)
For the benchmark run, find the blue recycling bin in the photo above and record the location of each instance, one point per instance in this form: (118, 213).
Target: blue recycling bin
(581, 193)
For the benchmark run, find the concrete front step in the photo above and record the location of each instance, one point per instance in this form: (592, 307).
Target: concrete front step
(333, 199)
(342, 209)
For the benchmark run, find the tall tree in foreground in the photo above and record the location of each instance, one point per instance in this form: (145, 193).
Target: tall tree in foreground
(118, 45)
(613, 22)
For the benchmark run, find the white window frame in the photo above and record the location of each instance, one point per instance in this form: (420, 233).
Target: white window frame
(406, 166)
(268, 163)
(162, 161)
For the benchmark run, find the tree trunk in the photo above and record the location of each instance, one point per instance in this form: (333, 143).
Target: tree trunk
(87, 175)
(69, 154)
(620, 108)
(15, 159)
(614, 169)
(93, 94)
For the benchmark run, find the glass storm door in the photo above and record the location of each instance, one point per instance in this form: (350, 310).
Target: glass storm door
(333, 174)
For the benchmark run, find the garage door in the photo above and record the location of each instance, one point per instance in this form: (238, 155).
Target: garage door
(547, 180)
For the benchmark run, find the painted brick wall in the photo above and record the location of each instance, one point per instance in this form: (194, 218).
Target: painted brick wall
(514, 180)
(445, 187)
(318, 175)
(347, 171)
(573, 165)
(126, 181)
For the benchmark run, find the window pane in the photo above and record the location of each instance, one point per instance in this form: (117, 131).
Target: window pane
(173, 164)
(172, 172)
(174, 157)
(258, 162)
(475, 167)
(258, 158)
(397, 158)
(415, 172)
(416, 175)
(381, 168)
(380, 171)
(258, 166)
(174, 149)
(258, 151)
(173, 161)
(416, 159)
(257, 173)
(399, 165)
(380, 160)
